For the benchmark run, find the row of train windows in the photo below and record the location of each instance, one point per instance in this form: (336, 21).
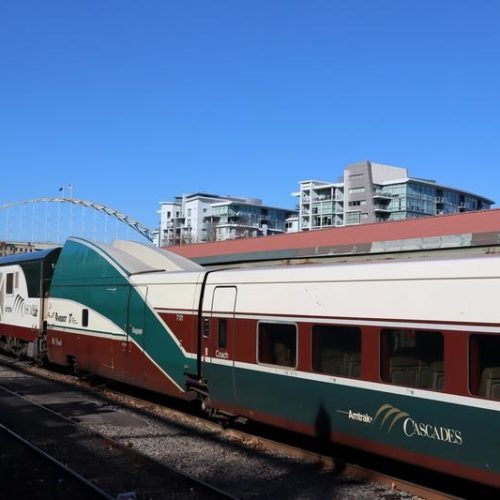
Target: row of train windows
(408, 358)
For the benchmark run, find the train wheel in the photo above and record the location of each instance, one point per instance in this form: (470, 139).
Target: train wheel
(41, 360)
(73, 367)
(205, 405)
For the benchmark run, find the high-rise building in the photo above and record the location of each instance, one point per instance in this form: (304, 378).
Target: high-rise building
(204, 217)
(372, 192)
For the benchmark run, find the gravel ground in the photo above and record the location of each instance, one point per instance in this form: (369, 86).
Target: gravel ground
(243, 468)
(114, 469)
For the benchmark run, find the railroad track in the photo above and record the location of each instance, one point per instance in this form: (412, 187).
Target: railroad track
(392, 486)
(257, 440)
(59, 480)
(327, 462)
(98, 466)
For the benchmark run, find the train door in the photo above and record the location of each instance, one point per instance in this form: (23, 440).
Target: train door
(136, 344)
(218, 346)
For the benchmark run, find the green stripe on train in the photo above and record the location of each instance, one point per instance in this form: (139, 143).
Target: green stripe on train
(444, 430)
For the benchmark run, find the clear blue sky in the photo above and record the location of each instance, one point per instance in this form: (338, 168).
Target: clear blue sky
(134, 102)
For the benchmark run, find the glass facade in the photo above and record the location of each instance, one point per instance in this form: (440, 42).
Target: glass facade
(204, 217)
(376, 193)
(249, 215)
(420, 199)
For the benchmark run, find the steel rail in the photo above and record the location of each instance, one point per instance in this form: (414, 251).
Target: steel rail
(59, 464)
(394, 483)
(113, 442)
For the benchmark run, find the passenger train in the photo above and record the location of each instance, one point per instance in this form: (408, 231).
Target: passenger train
(399, 358)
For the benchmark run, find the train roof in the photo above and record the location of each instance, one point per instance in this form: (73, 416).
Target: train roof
(37, 255)
(137, 258)
(157, 259)
(466, 267)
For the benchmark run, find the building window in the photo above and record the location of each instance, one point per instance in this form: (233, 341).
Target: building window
(277, 344)
(353, 217)
(412, 358)
(357, 190)
(484, 366)
(336, 350)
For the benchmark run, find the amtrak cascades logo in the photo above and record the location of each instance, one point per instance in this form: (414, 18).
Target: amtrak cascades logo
(390, 415)
(389, 418)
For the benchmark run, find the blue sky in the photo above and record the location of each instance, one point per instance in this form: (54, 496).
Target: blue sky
(135, 102)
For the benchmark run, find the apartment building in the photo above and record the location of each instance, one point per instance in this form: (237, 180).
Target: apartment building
(373, 192)
(202, 217)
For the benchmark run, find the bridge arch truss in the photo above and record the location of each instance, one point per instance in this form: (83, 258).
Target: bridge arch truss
(49, 220)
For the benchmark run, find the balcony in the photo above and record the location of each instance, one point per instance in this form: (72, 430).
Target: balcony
(381, 209)
(381, 195)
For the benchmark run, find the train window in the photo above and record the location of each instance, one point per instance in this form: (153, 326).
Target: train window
(33, 278)
(9, 284)
(278, 344)
(412, 358)
(16, 280)
(206, 327)
(484, 366)
(336, 350)
(85, 317)
(222, 334)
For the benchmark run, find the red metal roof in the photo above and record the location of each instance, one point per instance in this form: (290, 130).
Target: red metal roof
(441, 225)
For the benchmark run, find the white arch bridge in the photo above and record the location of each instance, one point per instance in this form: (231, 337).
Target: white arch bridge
(52, 220)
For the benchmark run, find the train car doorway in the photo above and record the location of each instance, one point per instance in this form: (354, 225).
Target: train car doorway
(136, 333)
(219, 346)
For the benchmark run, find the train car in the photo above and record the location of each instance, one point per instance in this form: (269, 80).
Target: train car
(24, 281)
(398, 358)
(101, 320)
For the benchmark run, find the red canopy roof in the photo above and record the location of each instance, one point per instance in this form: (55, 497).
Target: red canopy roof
(484, 221)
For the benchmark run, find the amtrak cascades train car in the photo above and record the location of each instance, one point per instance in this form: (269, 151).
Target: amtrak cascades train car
(399, 358)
